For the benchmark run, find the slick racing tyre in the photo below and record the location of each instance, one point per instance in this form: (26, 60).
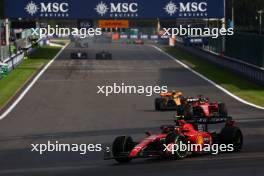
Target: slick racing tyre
(232, 135)
(121, 145)
(222, 110)
(177, 140)
(158, 101)
(163, 104)
(188, 111)
(180, 110)
(171, 103)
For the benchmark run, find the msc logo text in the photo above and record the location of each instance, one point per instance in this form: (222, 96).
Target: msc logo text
(117, 9)
(54, 9)
(186, 8)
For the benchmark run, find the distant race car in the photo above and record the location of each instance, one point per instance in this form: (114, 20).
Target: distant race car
(169, 101)
(138, 42)
(189, 107)
(202, 107)
(103, 56)
(79, 55)
(162, 145)
(81, 44)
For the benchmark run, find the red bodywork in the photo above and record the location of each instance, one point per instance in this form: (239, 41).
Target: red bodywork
(186, 129)
(209, 109)
(145, 143)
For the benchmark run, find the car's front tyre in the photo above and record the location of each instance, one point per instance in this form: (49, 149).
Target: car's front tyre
(177, 141)
(122, 144)
(158, 102)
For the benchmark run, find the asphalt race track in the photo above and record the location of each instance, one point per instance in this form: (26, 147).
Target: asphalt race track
(64, 105)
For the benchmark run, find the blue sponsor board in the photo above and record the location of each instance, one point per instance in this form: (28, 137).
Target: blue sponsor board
(114, 9)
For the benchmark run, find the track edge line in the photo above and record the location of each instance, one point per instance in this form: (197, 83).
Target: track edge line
(30, 85)
(208, 80)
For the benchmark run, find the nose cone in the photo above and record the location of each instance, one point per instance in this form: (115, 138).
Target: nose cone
(134, 152)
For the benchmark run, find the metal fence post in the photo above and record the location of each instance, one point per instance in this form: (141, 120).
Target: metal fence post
(1, 52)
(224, 26)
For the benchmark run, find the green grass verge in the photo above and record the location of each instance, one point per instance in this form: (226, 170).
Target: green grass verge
(10, 84)
(236, 84)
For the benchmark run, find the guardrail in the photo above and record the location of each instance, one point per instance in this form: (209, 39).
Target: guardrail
(12, 62)
(251, 72)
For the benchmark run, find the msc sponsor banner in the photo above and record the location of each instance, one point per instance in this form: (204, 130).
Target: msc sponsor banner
(113, 23)
(114, 9)
(144, 36)
(154, 37)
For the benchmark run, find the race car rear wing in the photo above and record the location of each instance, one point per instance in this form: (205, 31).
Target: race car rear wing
(211, 120)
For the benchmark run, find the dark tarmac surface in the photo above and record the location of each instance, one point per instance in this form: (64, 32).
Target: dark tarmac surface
(64, 106)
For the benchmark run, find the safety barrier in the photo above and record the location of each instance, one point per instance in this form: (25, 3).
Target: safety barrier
(249, 71)
(4, 52)
(12, 62)
(3, 70)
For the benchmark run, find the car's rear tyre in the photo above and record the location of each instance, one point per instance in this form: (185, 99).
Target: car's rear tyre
(177, 140)
(188, 111)
(180, 110)
(121, 145)
(198, 112)
(157, 103)
(222, 110)
(232, 135)
(171, 103)
(163, 104)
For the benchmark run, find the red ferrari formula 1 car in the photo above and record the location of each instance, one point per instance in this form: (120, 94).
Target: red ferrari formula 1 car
(190, 107)
(202, 107)
(124, 149)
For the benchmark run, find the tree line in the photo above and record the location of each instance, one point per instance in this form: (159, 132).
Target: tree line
(245, 12)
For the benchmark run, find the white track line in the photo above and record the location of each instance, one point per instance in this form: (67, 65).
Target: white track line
(21, 96)
(208, 80)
